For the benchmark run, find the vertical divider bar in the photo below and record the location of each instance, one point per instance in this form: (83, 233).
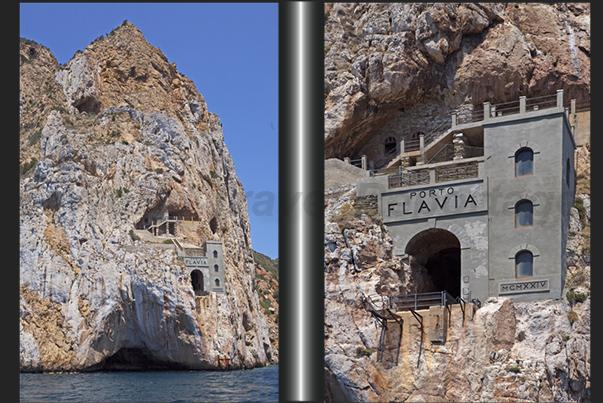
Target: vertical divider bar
(301, 216)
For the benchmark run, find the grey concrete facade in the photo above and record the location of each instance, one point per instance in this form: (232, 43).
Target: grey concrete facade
(216, 265)
(210, 267)
(549, 190)
(480, 211)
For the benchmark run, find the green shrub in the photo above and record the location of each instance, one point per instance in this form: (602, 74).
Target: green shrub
(28, 166)
(134, 236)
(265, 303)
(168, 241)
(514, 369)
(34, 137)
(363, 352)
(579, 205)
(159, 171)
(572, 317)
(573, 297)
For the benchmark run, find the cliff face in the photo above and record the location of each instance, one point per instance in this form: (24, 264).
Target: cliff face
(406, 67)
(112, 137)
(384, 62)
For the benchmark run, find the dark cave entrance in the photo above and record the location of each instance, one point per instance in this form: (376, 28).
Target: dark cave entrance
(136, 359)
(439, 251)
(389, 145)
(197, 281)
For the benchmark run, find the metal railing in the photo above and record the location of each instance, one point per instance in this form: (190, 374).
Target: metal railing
(421, 301)
(582, 105)
(435, 133)
(385, 158)
(470, 116)
(543, 102)
(397, 303)
(505, 108)
(415, 143)
(356, 162)
(475, 115)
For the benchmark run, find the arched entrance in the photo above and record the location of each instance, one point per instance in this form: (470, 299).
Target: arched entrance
(197, 281)
(439, 251)
(390, 145)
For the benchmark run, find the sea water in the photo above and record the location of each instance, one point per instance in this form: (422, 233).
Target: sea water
(254, 385)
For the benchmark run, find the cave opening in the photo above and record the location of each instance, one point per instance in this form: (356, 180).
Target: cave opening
(88, 105)
(213, 225)
(136, 359)
(439, 251)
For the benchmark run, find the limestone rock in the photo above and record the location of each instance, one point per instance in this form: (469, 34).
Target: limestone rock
(124, 137)
(384, 60)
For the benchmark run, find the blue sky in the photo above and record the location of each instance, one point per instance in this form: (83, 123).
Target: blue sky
(230, 51)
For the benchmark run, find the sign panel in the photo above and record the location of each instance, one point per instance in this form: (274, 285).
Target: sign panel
(428, 201)
(523, 286)
(195, 261)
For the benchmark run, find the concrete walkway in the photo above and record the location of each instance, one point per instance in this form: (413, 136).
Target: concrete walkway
(339, 173)
(148, 237)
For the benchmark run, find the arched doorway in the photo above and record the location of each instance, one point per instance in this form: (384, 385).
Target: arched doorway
(439, 252)
(390, 145)
(197, 281)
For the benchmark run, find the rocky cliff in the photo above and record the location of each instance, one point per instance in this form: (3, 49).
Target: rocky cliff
(410, 65)
(389, 62)
(115, 136)
(505, 351)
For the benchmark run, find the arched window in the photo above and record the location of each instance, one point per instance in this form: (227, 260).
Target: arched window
(524, 162)
(216, 268)
(390, 145)
(524, 214)
(217, 281)
(524, 262)
(215, 254)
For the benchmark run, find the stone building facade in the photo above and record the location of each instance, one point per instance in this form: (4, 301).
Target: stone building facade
(493, 223)
(205, 267)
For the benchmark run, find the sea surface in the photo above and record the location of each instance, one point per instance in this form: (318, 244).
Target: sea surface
(253, 385)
